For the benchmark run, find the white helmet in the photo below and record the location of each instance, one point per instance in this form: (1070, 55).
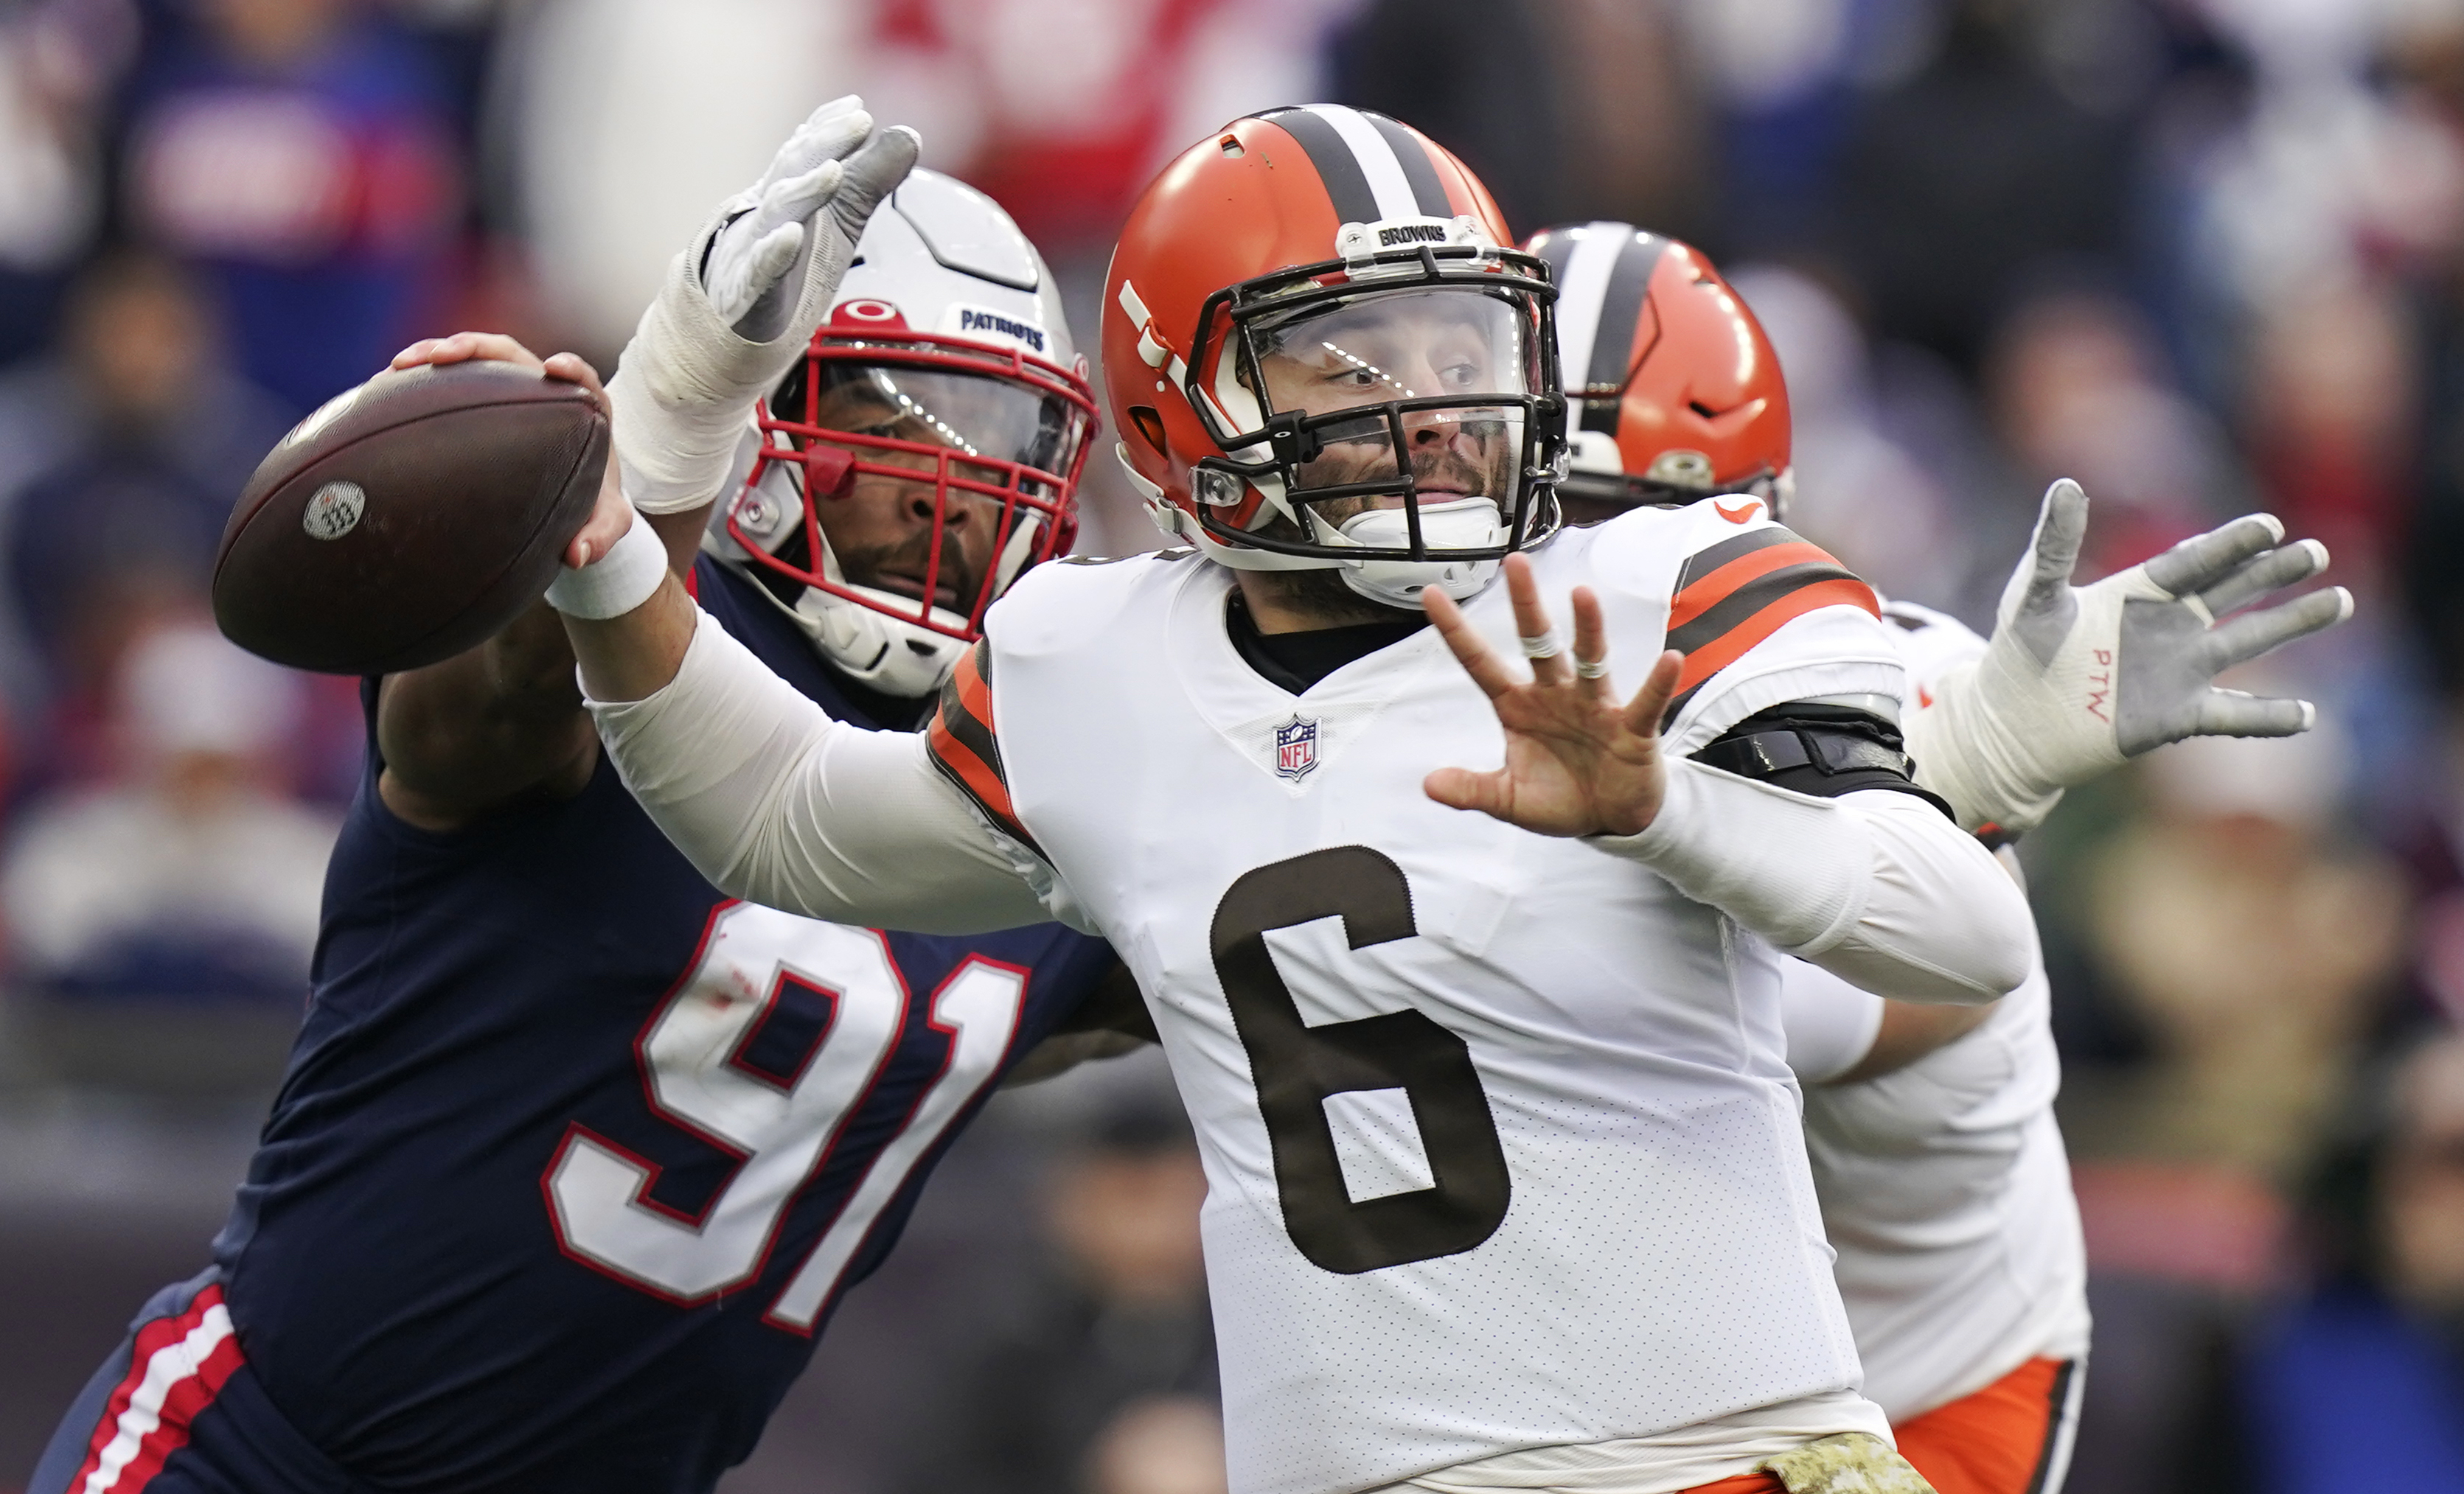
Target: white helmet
(945, 365)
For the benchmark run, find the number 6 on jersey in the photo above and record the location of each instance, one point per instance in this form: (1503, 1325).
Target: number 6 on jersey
(1297, 1068)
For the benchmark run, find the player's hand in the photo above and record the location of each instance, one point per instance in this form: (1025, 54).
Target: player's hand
(820, 188)
(737, 308)
(611, 516)
(1576, 761)
(2077, 679)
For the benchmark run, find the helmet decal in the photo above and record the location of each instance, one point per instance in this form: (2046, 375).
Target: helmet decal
(1375, 169)
(1602, 281)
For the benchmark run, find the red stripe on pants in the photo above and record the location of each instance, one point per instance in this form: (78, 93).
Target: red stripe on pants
(188, 1393)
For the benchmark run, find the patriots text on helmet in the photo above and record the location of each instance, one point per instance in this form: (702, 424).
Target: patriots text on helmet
(971, 319)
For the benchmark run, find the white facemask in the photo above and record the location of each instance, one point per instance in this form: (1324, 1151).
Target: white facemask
(1453, 524)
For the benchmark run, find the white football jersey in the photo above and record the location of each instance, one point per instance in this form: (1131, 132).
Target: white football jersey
(1944, 1187)
(1502, 1145)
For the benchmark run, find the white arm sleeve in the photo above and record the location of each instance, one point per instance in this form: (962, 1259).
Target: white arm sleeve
(1875, 887)
(778, 805)
(1830, 1024)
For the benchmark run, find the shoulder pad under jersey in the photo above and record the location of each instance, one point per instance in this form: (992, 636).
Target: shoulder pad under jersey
(1062, 603)
(1761, 616)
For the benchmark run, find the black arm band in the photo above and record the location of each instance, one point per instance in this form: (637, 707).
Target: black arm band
(1818, 749)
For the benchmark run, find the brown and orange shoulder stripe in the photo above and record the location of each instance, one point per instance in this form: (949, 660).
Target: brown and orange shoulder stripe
(1740, 591)
(962, 745)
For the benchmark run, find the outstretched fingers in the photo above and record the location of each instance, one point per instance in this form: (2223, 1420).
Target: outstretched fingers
(2271, 571)
(1541, 643)
(827, 134)
(1592, 647)
(799, 197)
(2232, 713)
(1651, 702)
(2062, 528)
(2253, 633)
(1492, 793)
(776, 251)
(2202, 560)
(870, 174)
(1464, 642)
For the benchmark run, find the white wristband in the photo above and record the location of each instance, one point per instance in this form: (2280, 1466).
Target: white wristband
(616, 582)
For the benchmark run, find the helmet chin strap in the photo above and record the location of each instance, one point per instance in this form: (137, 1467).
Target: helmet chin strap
(882, 654)
(1458, 524)
(886, 654)
(1464, 523)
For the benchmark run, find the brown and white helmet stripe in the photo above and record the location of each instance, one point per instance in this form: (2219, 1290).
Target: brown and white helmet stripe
(1603, 274)
(1672, 389)
(1375, 169)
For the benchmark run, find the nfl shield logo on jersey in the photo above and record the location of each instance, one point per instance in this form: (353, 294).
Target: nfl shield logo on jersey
(1295, 748)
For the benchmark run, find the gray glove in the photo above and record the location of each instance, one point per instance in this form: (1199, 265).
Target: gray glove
(2077, 679)
(754, 270)
(688, 381)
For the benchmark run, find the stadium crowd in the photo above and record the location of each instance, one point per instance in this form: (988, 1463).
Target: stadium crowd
(2206, 256)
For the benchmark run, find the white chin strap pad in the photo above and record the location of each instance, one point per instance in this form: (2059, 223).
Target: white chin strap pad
(1453, 524)
(886, 654)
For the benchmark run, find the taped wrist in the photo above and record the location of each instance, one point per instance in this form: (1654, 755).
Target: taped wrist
(616, 582)
(1819, 750)
(686, 383)
(1960, 749)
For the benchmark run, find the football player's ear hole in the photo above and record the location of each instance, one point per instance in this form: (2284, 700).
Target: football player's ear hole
(1149, 425)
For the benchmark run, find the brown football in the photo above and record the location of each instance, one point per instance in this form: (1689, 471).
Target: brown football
(410, 518)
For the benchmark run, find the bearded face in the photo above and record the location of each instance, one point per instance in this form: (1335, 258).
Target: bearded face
(1400, 347)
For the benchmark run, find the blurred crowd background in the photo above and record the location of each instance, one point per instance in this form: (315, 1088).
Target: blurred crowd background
(2205, 255)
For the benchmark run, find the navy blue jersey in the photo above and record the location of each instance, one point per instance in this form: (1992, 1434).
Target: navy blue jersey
(575, 1155)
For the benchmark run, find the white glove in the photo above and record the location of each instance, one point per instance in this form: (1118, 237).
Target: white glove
(751, 265)
(2075, 679)
(773, 256)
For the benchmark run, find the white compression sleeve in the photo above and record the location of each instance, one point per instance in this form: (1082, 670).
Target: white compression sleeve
(1830, 1024)
(778, 805)
(1875, 887)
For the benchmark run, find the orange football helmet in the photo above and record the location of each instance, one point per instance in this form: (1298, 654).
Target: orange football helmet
(1674, 391)
(1320, 304)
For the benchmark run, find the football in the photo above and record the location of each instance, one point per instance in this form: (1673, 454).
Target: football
(410, 518)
